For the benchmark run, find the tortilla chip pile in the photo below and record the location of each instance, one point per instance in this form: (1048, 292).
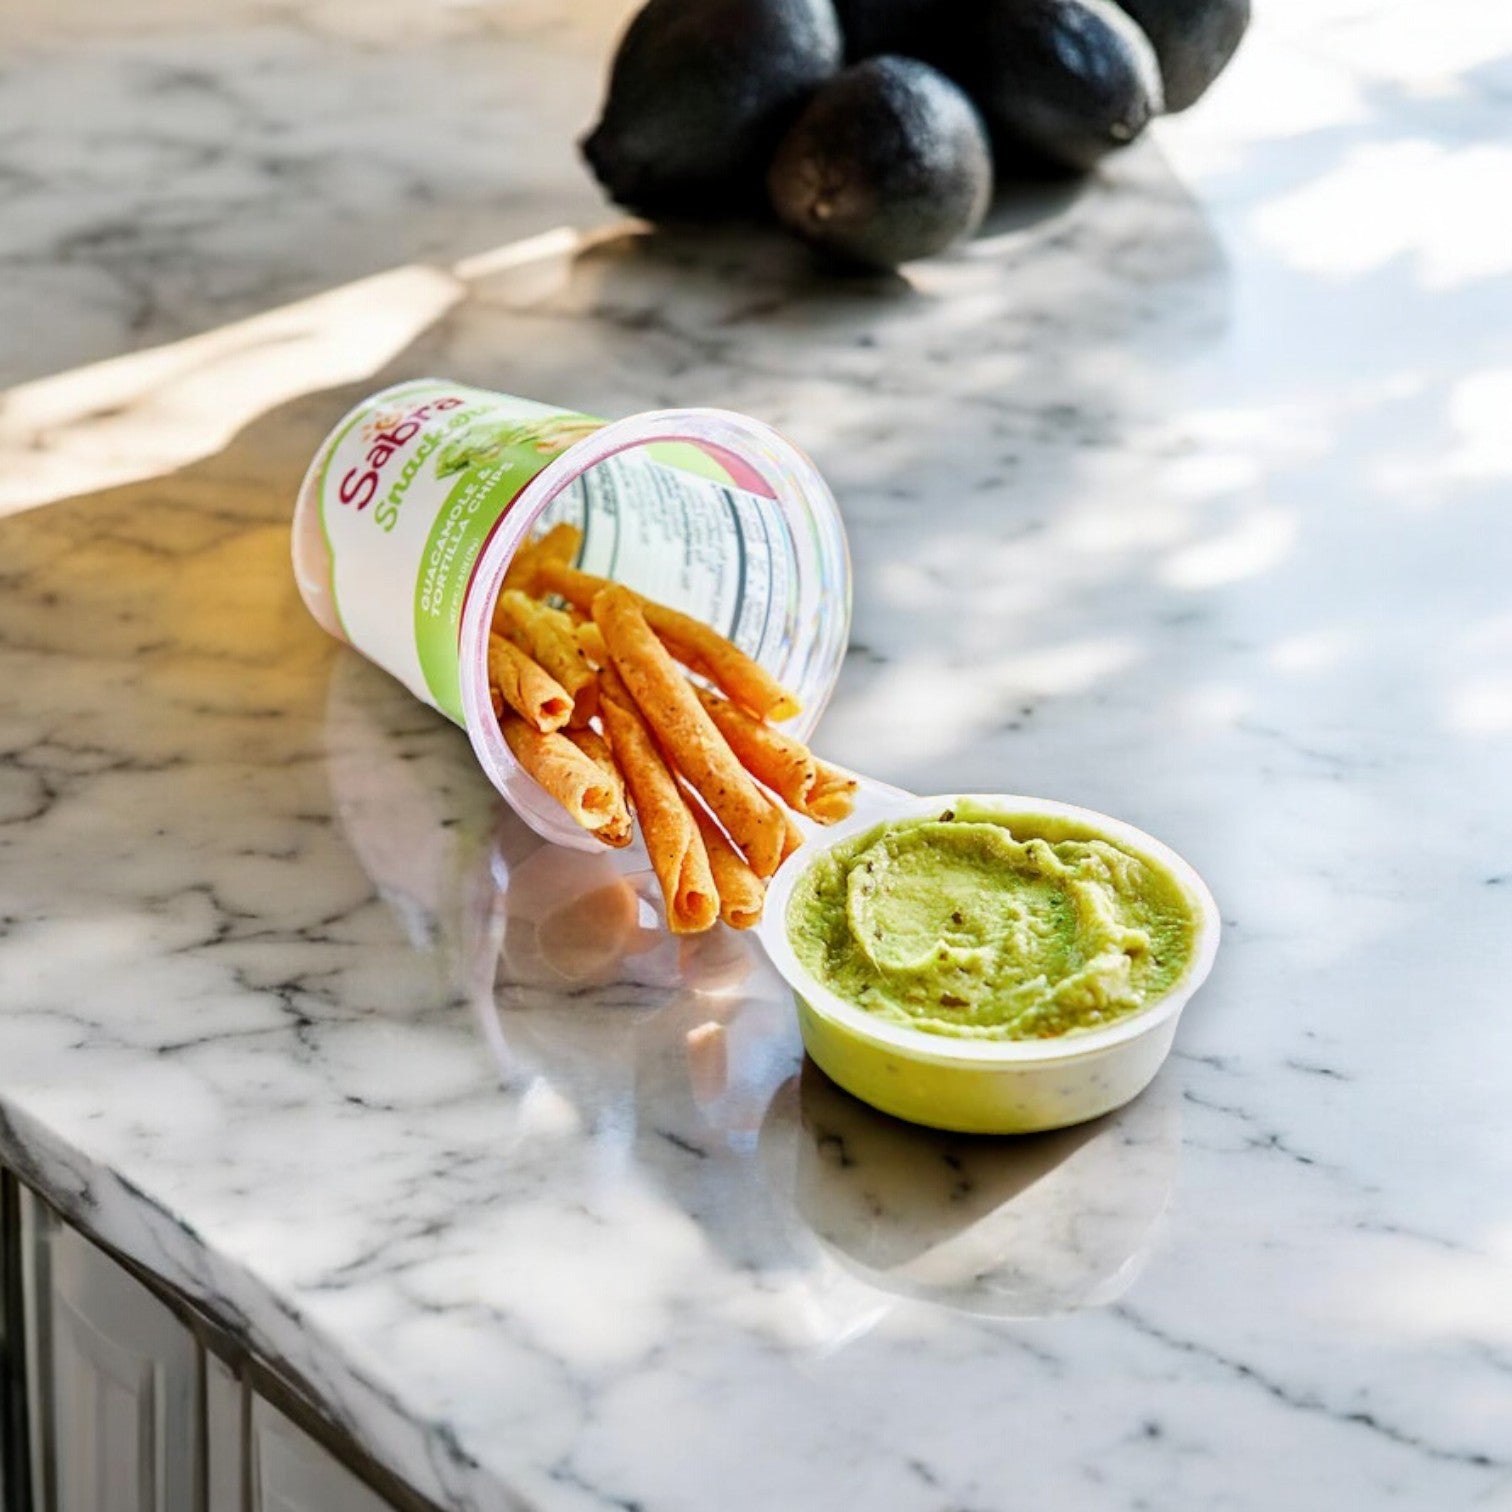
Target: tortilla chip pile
(596, 704)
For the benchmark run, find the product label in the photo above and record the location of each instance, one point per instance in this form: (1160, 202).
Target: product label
(418, 479)
(414, 486)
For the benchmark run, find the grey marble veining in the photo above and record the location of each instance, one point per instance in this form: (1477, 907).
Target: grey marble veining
(1180, 496)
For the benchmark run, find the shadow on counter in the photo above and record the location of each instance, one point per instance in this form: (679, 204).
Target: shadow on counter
(1021, 1227)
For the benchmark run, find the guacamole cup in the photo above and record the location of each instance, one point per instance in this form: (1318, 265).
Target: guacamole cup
(977, 1086)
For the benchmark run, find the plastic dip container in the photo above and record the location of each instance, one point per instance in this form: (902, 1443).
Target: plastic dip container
(414, 505)
(986, 1086)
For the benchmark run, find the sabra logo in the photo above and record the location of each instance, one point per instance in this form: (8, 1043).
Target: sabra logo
(387, 436)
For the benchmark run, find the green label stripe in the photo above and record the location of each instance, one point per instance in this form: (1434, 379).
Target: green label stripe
(493, 463)
(463, 525)
(686, 457)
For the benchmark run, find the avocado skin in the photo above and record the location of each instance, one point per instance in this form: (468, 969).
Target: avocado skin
(889, 162)
(1060, 82)
(1193, 39)
(700, 92)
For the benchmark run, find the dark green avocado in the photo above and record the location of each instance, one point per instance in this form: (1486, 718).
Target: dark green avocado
(1193, 39)
(700, 92)
(1062, 82)
(888, 162)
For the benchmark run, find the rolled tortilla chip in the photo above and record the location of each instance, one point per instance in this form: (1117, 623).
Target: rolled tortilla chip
(811, 787)
(618, 829)
(532, 692)
(741, 891)
(673, 843)
(575, 780)
(545, 635)
(783, 764)
(521, 570)
(703, 650)
(578, 588)
(696, 645)
(833, 796)
(590, 641)
(559, 544)
(687, 734)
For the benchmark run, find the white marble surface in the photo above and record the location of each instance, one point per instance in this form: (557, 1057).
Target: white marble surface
(1182, 497)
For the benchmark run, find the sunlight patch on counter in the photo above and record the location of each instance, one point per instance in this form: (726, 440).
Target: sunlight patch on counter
(1481, 706)
(150, 413)
(1478, 409)
(1252, 546)
(949, 706)
(1425, 47)
(1474, 447)
(1432, 1290)
(1274, 91)
(1312, 651)
(1212, 706)
(1421, 201)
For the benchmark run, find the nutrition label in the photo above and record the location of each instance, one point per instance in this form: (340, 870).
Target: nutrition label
(713, 551)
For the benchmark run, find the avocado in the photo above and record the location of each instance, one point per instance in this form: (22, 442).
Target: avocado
(1057, 81)
(1193, 39)
(700, 92)
(888, 162)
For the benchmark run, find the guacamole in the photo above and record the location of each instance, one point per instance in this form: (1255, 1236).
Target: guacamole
(991, 926)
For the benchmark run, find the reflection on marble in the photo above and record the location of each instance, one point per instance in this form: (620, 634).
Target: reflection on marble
(1014, 1228)
(1180, 496)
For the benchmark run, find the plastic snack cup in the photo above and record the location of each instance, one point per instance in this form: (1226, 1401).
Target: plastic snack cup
(414, 505)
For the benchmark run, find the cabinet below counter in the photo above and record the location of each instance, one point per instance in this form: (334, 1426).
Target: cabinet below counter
(120, 1397)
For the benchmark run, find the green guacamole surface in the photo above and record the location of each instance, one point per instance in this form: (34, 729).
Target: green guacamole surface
(991, 926)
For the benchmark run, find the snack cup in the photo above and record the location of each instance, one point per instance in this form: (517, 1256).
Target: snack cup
(414, 505)
(986, 1086)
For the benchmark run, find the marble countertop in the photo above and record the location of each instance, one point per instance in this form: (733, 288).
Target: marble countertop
(1180, 495)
